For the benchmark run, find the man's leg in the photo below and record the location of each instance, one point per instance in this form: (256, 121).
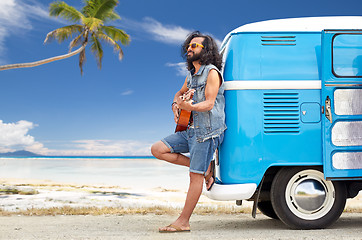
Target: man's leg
(193, 195)
(162, 152)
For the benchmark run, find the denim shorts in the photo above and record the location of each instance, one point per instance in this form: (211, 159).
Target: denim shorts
(201, 153)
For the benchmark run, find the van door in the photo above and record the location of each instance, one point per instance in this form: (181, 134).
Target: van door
(342, 103)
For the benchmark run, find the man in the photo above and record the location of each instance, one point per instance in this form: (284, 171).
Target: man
(206, 130)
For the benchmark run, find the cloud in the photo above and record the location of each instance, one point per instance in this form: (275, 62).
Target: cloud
(161, 32)
(17, 13)
(165, 33)
(127, 92)
(180, 68)
(3, 35)
(15, 18)
(104, 148)
(14, 136)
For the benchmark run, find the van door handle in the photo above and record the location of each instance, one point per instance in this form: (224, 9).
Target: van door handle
(328, 112)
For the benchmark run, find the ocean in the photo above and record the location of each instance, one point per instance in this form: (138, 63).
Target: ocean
(128, 172)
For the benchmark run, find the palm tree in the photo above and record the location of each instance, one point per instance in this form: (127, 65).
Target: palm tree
(89, 28)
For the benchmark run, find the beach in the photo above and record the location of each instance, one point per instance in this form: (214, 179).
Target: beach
(38, 209)
(108, 199)
(40, 197)
(127, 183)
(50, 210)
(26, 196)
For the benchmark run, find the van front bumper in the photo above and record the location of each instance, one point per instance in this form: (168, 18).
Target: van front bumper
(231, 192)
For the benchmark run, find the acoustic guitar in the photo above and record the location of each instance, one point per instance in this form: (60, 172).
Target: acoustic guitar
(184, 115)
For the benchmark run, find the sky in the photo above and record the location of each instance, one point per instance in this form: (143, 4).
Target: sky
(125, 107)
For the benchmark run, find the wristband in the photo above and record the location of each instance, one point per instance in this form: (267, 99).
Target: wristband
(173, 104)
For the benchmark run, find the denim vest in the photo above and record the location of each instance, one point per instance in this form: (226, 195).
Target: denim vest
(208, 124)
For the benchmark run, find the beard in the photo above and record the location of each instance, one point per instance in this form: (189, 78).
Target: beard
(194, 57)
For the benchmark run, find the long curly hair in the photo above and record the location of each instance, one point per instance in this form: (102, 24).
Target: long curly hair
(208, 55)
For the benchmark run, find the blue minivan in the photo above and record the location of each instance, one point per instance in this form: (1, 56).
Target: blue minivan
(294, 116)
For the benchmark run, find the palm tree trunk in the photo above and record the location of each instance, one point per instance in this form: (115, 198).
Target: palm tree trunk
(41, 62)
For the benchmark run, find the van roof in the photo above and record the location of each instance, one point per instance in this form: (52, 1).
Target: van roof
(308, 24)
(305, 24)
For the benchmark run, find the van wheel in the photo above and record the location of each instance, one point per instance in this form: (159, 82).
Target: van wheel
(266, 208)
(303, 199)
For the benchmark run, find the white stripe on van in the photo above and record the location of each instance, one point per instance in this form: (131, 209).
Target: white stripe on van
(272, 84)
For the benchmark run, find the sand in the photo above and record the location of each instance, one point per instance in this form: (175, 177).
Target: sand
(48, 194)
(51, 194)
(240, 226)
(210, 223)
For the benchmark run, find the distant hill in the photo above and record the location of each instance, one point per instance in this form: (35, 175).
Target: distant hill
(21, 153)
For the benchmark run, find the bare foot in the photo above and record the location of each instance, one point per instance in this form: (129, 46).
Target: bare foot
(174, 228)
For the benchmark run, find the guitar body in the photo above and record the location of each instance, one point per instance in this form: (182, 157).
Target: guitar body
(184, 115)
(183, 120)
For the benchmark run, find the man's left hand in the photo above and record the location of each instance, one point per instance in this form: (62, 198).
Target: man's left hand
(185, 105)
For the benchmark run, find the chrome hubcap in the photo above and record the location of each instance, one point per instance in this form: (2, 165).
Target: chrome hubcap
(308, 195)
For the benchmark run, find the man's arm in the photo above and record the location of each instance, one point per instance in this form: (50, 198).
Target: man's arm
(213, 83)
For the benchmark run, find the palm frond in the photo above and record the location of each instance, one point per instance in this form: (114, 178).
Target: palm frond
(62, 9)
(76, 42)
(97, 50)
(92, 23)
(101, 9)
(116, 34)
(63, 33)
(115, 45)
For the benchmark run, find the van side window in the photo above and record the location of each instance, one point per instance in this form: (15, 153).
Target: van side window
(347, 55)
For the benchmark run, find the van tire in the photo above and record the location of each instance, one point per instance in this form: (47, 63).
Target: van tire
(266, 208)
(303, 199)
